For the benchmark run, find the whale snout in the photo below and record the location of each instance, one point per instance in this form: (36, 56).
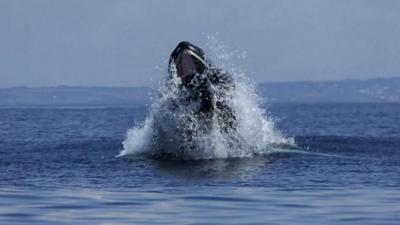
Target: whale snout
(189, 60)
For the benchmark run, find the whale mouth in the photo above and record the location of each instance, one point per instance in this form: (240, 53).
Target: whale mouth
(189, 60)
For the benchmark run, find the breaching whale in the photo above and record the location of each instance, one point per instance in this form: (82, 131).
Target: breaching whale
(202, 112)
(211, 87)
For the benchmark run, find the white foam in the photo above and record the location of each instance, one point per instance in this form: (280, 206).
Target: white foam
(168, 130)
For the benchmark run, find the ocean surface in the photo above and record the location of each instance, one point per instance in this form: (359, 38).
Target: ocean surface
(58, 165)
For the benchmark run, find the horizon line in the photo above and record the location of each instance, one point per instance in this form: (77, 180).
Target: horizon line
(257, 83)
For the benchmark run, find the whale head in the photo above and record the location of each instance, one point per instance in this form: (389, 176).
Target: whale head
(189, 60)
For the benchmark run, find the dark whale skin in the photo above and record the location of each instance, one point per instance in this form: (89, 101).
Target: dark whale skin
(209, 85)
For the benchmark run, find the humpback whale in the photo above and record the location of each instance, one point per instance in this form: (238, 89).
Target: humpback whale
(211, 87)
(202, 112)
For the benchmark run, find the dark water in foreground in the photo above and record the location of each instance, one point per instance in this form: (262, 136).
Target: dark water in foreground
(57, 166)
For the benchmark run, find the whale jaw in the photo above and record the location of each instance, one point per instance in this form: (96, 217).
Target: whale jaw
(189, 60)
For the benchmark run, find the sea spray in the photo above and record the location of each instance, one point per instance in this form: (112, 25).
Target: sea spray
(173, 129)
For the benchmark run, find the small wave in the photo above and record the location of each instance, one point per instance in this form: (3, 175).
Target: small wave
(305, 152)
(172, 130)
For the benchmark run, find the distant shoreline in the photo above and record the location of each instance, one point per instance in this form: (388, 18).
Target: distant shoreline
(378, 90)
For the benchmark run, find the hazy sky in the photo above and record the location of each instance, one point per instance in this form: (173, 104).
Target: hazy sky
(122, 43)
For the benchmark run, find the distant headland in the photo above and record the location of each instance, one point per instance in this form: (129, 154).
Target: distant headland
(380, 90)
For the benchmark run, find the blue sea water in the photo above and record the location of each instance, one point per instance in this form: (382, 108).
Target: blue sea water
(58, 166)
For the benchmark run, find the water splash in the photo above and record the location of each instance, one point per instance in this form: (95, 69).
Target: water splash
(173, 130)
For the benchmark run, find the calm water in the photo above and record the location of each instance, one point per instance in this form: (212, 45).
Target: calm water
(58, 166)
